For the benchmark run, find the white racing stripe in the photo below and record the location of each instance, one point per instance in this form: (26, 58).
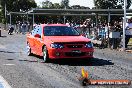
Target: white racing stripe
(4, 82)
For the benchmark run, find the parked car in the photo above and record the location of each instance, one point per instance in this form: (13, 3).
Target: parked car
(58, 41)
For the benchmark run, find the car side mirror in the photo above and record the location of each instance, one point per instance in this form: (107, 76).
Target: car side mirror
(37, 36)
(83, 35)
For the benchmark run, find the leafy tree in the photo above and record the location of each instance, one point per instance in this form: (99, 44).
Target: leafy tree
(56, 6)
(129, 2)
(112, 4)
(26, 5)
(76, 7)
(38, 6)
(79, 7)
(65, 3)
(0, 13)
(47, 4)
(1, 16)
(83, 7)
(17, 5)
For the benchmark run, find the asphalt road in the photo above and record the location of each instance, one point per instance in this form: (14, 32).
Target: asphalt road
(22, 71)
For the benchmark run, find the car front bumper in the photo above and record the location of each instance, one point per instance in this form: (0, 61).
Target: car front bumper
(70, 53)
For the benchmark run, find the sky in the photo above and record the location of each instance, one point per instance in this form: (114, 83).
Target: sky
(87, 3)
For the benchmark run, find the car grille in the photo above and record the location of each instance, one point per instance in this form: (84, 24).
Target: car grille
(74, 43)
(73, 54)
(74, 46)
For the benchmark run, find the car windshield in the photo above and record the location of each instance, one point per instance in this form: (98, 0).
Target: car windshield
(60, 31)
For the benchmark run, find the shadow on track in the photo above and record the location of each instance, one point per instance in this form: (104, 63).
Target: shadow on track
(76, 62)
(10, 59)
(29, 60)
(84, 62)
(8, 52)
(37, 60)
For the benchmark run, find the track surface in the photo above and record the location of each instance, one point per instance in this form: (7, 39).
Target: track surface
(22, 71)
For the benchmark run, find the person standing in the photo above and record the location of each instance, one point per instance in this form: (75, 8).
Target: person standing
(128, 32)
(23, 28)
(87, 25)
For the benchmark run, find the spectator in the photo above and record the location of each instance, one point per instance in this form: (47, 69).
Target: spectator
(87, 25)
(19, 27)
(111, 39)
(128, 32)
(23, 28)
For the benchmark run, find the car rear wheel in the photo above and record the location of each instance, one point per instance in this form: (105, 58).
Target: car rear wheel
(28, 49)
(45, 54)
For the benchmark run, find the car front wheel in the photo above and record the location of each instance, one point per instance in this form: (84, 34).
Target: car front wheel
(45, 54)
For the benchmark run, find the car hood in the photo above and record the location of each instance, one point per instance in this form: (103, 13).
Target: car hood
(67, 38)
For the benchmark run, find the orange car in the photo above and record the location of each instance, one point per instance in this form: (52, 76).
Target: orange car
(57, 41)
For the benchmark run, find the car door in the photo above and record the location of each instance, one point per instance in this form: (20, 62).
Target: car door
(38, 41)
(32, 41)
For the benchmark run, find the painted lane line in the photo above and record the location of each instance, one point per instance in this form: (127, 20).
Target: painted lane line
(4, 83)
(9, 64)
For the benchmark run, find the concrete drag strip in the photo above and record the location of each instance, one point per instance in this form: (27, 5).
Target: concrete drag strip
(2, 46)
(4, 83)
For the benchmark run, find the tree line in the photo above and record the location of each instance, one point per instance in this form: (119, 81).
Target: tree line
(26, 5)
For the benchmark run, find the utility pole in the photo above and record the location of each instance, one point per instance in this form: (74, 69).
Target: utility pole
(27, 16)
(124, 23)
(108, 28)
(10, 19)
(5, 9)
(64, 17)
(5, 16)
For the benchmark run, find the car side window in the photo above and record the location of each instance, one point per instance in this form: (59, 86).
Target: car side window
(38, 30)
(33, 32)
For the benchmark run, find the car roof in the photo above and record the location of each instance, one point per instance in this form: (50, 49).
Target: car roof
(43, 25)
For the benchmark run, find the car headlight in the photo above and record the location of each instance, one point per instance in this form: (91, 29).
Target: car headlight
(89, 45)
(55, 45)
